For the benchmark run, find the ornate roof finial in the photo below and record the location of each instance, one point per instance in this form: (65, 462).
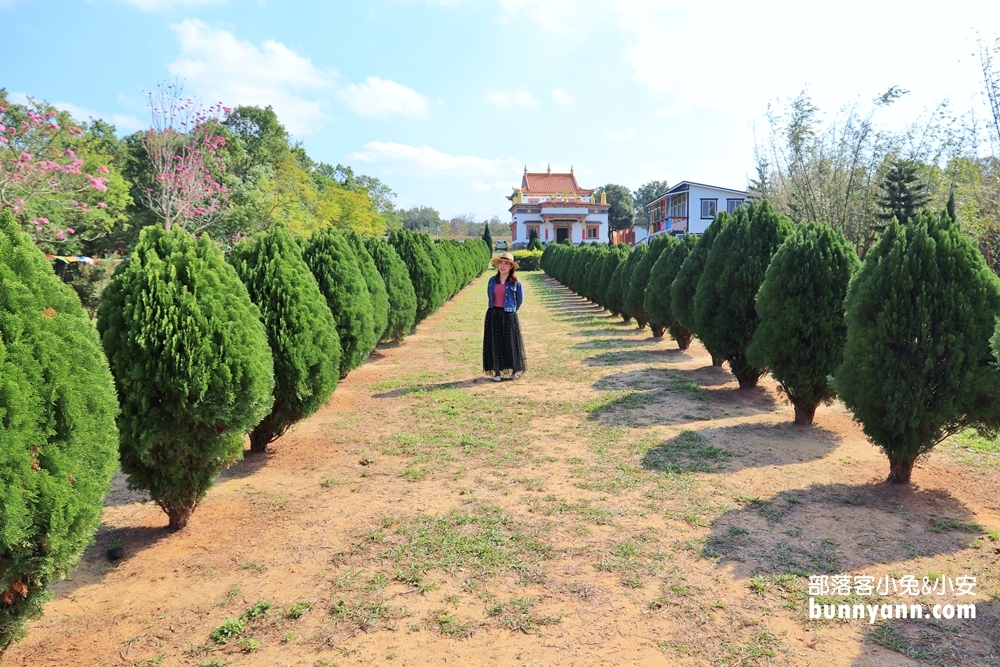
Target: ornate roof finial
(549, 170)
(571, 169)
(525, 170)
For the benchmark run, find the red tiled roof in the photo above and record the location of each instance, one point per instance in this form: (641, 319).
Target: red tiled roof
(549, 183)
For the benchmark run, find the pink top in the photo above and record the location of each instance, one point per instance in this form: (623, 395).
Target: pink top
(498, 293)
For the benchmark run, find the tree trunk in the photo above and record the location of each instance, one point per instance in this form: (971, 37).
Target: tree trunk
(899, 470)
(748, 380)
(179, 516)
(683, 338)
(717, 361)
(260, 439)
(657, 331)
(641, 323)
(804, 413)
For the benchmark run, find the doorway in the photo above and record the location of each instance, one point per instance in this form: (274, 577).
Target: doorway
(562, 233)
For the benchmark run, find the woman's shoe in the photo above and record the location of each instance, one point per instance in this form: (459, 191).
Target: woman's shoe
(497, 378)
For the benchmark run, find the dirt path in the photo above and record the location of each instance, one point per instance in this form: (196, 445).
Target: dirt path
(623, 504)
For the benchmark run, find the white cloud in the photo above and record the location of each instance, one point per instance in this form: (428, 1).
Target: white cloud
(381, 97)
(218, 67)
(561, 96)
(520, 98)
(725, 68)
(553, 15)
(427, 161)
(121, 122)
(621, 135)
(167, 5)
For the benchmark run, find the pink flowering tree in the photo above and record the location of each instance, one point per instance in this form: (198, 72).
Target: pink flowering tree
(61, 189)
(185, 154)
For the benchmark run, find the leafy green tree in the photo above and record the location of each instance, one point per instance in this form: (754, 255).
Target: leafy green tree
(622, 211)
(402, 298)
(685, 285)
(635, 300)
(373, 280)
(724, 309)
(300, 329)
(58, 441)
(421, 218)
(191, 363)
(661, 278)
(333, 263)
(644, 196)
(801, 333)
(917, 362)
(423, 275)
(902, 193)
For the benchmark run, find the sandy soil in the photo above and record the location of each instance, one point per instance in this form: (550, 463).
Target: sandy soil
(622, 504)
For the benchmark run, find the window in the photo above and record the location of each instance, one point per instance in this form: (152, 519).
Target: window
(709, 207)
(679, 205)
(593, 232)
(732, 205)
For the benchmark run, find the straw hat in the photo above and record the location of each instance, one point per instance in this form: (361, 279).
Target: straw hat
(507, 257)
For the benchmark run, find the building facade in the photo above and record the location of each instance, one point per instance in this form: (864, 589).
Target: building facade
(557, 208)
(691, 207)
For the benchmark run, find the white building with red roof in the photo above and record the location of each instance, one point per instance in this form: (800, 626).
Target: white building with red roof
(556, 207)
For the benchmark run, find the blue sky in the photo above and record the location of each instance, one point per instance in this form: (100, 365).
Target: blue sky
(446, 101)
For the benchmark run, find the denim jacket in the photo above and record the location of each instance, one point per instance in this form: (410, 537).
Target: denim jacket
(513, 296)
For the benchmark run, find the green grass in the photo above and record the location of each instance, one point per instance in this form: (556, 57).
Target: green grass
(948, 524)
(687, 452)
(517, 615)
(484, 540)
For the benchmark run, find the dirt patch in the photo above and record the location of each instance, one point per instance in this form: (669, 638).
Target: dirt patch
(623, 503)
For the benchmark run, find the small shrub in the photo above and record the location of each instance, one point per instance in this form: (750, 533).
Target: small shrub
(58, 441)
(300, 329)
(230, 629)
(528, 260)
(332, 261)
(191, 363)
(685, 285)
(917, 361)
(802, 329)
(658, 301)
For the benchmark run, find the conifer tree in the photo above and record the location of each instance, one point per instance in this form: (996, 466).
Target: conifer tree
(332, 262)
(58, 441)
(801, 333)
(903, 194)
(487, 237)
(661, 279)
(624, 282)
(420, 267)
(441, 273)
(724, 303)
(402, 298)
(191, 362)
(300, 329)
(685, 285)
(635, 300)
(917, 362)
(616, 254)
(613, 297)
(373, 281)
(534, 243)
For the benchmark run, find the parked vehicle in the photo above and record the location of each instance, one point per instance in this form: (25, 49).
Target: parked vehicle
(500, 245)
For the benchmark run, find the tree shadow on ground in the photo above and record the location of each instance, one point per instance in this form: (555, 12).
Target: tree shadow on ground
(839, 528)
(667, 396)
(96, 563)
(732, 448)
(457, 384)
(247, 466)
(936, 641)
(878, 530)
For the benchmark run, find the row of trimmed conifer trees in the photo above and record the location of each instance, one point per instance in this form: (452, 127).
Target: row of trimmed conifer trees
(191, 352)
(908, 339)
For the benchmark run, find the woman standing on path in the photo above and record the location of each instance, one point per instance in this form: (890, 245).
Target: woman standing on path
(503, 349)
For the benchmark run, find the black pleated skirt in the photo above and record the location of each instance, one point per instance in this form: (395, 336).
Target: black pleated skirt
(503, 348)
